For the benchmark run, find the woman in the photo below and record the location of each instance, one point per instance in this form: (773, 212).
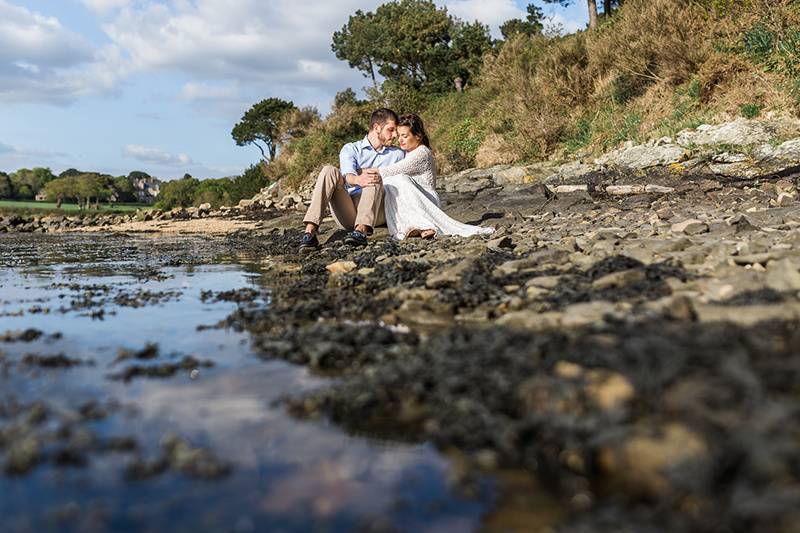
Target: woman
(411, 204)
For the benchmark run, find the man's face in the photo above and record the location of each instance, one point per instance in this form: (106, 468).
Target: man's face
(387, 133)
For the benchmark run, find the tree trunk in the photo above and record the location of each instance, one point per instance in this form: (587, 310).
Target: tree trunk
(606, 7)
(58, 203)
(372, 73)
(592, 4)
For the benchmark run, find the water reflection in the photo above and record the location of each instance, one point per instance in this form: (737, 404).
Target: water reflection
(287, 475)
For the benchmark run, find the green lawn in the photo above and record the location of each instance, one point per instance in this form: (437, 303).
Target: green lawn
(20, 205)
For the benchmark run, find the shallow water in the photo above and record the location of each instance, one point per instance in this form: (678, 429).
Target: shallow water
(103, 294)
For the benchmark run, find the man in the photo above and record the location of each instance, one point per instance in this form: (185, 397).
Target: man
(355, 197)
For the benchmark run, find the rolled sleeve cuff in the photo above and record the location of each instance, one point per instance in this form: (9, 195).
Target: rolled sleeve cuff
(347, 162)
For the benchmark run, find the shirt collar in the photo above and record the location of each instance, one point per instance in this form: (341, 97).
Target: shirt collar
(366, 145)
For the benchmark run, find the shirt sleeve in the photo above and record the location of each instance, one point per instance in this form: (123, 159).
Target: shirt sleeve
(348, 162)
(417, 162)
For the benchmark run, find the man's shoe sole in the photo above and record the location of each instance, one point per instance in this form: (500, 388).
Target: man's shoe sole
(355, 242)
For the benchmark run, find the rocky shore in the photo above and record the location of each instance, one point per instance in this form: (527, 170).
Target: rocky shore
(628, 336)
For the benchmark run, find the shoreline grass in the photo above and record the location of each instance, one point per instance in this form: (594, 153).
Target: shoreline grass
(72, 209)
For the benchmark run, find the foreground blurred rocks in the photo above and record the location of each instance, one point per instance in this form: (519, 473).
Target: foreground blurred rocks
(629, 336)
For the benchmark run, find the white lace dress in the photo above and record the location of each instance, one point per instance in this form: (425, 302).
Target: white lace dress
(410, 198)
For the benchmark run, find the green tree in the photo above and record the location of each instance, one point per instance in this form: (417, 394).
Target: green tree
(532, 25)
(346, 98)
(356, 43)
(138, 175)
(470, 43)
(123, 188)
(6, 186)
(261, 124)
(412, 43)
(212, 191)
(93, 187)
(28, 182)
(60, 189)
(416, 43)
(248, 184)
(296, 123)
(71, 172)
(177, 193)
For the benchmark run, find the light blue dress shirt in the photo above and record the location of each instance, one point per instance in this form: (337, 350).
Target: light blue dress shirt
(360, 154)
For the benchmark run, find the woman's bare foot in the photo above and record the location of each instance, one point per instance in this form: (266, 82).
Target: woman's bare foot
(428, 234)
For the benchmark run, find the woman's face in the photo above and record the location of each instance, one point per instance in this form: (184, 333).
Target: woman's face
(408, 141)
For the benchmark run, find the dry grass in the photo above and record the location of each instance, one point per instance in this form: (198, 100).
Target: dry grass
(657, 66)
(653, 68)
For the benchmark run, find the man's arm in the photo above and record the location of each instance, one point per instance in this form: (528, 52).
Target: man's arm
(353, 175)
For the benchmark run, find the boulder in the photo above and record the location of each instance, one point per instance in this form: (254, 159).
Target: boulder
(691, 226)
(341, 267)
(642, 156)
(783, 275)
(450, 275)
(640, 463)
(740, 132)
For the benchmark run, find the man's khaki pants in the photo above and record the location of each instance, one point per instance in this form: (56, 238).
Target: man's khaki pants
(349, 211)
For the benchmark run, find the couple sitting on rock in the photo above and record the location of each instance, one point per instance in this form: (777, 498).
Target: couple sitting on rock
(378, 183)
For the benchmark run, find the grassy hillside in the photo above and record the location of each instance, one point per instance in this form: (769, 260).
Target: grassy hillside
(653, 68)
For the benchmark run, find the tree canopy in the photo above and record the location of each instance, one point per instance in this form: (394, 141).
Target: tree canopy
(532, 25)
(83, 188)
(6, 187)
(177, 193)
(261, 125)
(412, 43)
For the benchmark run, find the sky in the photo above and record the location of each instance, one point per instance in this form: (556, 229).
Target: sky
(121, 85)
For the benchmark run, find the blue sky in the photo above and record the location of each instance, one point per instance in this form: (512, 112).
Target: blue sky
(122, 85)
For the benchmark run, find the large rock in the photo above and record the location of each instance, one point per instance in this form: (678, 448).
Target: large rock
(690, 227)
(645, 156)
(523, 175)
(341, 267)
(641, 463)
(783, 275)
(583, 314)
(449, 276)
(740, 132)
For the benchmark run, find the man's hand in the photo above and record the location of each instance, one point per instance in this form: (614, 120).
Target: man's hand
(369, 177)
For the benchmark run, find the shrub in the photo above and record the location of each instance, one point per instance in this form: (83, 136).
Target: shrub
(464, 143)
(749, 110)
(579, 136)
(538, 83)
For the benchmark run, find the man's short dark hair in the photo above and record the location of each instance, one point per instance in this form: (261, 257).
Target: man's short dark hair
(382, 116)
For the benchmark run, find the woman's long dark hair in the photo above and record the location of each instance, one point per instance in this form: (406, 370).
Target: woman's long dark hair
(414, 123)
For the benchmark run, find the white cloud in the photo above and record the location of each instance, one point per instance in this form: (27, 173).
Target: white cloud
(31, 38)
(282, 42)
(13, 157)
(490, 12)
(231, 53)
(104, 7)
(42, 61)
(156, 155)
(205, 91)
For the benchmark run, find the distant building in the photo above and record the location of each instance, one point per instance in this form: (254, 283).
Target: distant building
(146, 189)
(41, 197)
